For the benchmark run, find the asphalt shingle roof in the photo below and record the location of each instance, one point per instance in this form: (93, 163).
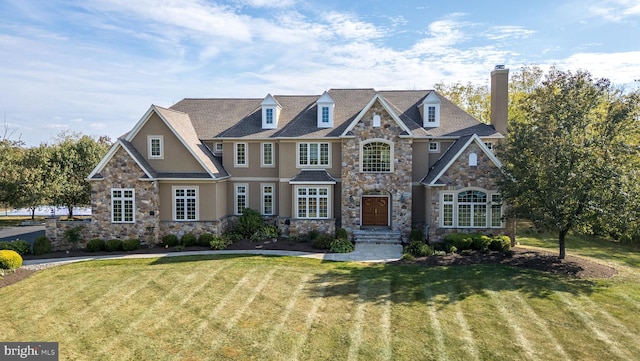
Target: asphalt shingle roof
(446, 157)
(313, 176)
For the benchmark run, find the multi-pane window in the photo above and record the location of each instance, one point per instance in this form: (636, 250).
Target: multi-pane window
(472, 209)
(313, 153)
(155, 147)
(267, 154)
(496, 211)
(434, 147)
(240, 198)
(312, 202)
(269, 114)
(122, 205)
(325, 114)
(431, 114)
(447, 210)
(241, 154)
(185, 201)
(376, 157)
(267, 199)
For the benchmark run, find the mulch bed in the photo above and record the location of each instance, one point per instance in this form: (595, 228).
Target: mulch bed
(541, 260)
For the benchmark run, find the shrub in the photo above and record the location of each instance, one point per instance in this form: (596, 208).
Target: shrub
(170, 240)
(265, 233)
(72, 235)
(10, 259)
(452, 249)
(113, 245)
(42, 245)
(439, 253)
(20, 246)
(416, 235)
(249, 222)
(313, 234)
(219, 243)
(341, 233)
(322, 241)
(341, 246)
(408, 257)
(232, 236)
(461, 241)
(96, 245)
(131, 244)
(500, 244)
(418, 249)
(189, 240)
(466, 252)
(205, 239)
(480, 242)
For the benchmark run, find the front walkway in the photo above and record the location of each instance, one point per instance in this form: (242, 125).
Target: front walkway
(371, 253)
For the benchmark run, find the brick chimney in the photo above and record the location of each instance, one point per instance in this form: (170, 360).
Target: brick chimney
(500, 99)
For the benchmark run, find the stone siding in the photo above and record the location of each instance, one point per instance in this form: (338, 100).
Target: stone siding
(397, 184)
(299, 227)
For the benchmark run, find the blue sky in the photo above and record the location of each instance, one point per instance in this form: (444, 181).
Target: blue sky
(96, 66)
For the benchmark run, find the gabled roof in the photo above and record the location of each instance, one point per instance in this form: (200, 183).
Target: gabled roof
(133, 153)
(386, 106)
(452, 154)
(313, 176)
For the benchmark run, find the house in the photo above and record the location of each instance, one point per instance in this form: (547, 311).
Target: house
(351, 158)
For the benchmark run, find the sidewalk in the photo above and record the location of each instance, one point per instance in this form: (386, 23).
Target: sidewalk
(370, 253)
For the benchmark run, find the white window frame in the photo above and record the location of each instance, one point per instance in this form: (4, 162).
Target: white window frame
(309, 154)
(325, 114)
(268, 113)
(185, 198)
(490, 204)
(391, 155)
(218, 147)
(236, 159)
(495, 202)
(436, 149)
(150, 140)
(489, 145)
(473, 160)
(236, 193)
(263, 158)
(449, 202)
(122, 200)
(264, 195)
(308, 203)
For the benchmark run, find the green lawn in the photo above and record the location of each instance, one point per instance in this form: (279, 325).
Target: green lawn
(281, 308)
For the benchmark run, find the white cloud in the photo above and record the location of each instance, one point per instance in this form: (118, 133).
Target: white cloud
(620, 68)
(269, 3)
(614, 10)
(508, 32)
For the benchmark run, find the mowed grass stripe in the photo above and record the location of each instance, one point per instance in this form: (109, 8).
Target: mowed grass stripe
(291, 303)
(439, 347)
(355, 335)
(592, 326)
(309, 321)
(469, 341)
(385, 322)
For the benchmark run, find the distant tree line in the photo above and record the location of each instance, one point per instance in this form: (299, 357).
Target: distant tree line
(49, 174)
(571, 159)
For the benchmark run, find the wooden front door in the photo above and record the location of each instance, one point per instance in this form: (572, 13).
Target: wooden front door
(375, 211)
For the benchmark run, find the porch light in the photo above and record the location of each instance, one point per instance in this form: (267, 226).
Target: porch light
(351, 200)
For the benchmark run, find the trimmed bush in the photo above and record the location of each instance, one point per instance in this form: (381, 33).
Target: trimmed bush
(249, 222)
(131, 244)
(232, 236)
(96, 245)
(341, 246)
(313, 234)
(42, 245)
(480, 242)
(205, 239)
(416, 235)
(341, 233)
(500, 244)
(113, 245)
(188, 240)
(219, 243)
(72, 235)
(460, 241)
(418, 249)
(20, 246)
(265, 233)
(170, 240)
(10, 259)
(322, 241)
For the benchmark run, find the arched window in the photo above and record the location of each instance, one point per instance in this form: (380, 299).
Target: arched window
(376, 157)
(472, 209)
(473, 159)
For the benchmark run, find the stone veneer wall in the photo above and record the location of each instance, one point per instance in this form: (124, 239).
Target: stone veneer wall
(54, 230)
(299, 227)
(460, 175)
(397, 184)
(195, 227)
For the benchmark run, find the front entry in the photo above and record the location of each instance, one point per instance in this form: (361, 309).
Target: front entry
(375, 211)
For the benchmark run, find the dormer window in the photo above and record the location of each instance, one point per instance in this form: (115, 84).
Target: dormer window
(270, 112)
(430, 110)
(325, 111)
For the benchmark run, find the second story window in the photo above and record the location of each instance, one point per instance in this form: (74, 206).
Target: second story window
(325, 115)
(269, 113)
(241, 155)
(155, 146)
(431, 115)
(267, 154)
(313, 154)
(376, 157)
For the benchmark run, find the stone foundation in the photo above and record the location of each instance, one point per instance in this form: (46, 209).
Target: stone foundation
(300, 227)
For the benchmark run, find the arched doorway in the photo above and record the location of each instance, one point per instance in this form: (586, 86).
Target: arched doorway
(375, 209)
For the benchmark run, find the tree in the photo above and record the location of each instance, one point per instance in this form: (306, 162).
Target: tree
(474, 99)
(571, 152)
(32, 182)
(73, 157)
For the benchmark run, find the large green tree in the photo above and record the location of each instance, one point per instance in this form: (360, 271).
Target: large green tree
(73, 157)
(32, 182)
(572, 153)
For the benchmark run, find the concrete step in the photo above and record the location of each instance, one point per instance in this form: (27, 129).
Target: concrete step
(377, 236)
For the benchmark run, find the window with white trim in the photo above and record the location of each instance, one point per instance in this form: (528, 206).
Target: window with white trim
(471, 209)
(241, 155)
(185, 203)
(376, 157)
(269, 115)
(313, 154)
(155, 146)
(434, 147)
(431, 114)
(312, 202)
(123, 205)
(267, 154)
(473, 160)
(240, 199)
(489, 145)
(325, 115)
(267, 199)
(218, 147)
